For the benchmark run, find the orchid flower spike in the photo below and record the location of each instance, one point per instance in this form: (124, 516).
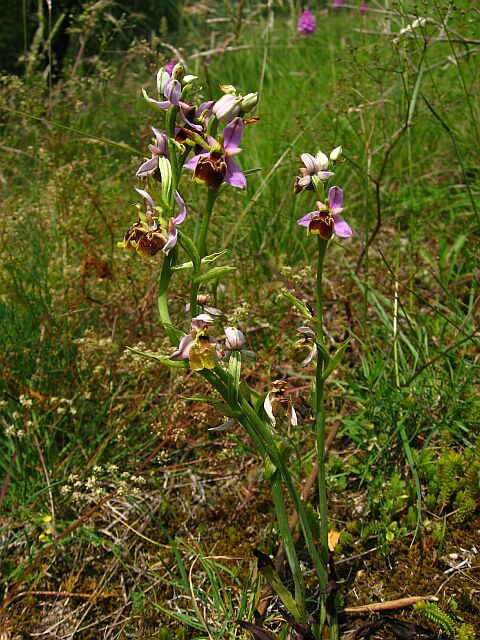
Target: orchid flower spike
(214, 167)
(327, 220)
(279, 403)
(201, 350)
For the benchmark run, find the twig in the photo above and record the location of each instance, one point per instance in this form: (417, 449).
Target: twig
(389, 605)
(63, 594)
(207, 54)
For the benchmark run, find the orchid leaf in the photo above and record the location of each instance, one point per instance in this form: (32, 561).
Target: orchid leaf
(207, 259)
(148, 100)
(213, 274)
(163, 359)
(335, 361)
(298, 304)
(214, 256)
(267, 569)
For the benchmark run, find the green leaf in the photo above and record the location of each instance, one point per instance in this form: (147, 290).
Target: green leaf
(213, 274)
(335, 361)
(298, 304)
(267, 569)
(183, 364)
(214, 256)
(211, 258)
(147, 100)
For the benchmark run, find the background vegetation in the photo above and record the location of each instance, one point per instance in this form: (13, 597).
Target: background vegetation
(112, 488)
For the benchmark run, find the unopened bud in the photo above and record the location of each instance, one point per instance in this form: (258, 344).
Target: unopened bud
(178, 71)
(228, 107)
(249, 102)
(235, 339)
(336, 153)
(162, 78)
(228, 88)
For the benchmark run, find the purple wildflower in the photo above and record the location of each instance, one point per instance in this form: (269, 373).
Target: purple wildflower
(217, 165)
(337, 4)
(364, 7)
(307, 23)
(327, 220)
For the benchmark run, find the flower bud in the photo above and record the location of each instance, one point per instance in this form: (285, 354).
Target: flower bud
(235, 339)
(162, 78)
(228, 107)
(249, 102)
(178, 71)
(189, 78)
(335, 154)
(228, 88)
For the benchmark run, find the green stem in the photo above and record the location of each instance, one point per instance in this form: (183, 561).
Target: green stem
(320, 438)
(261, 435)
(298, 504)
(165, 276)
(287, 537)
(191, 250)
(207, 214)
(320, 408)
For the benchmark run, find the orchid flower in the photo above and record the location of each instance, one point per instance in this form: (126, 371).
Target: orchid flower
(314, 169)
(174, 222)
(171, 89)
(305, 349)
(217, 165)
(146, 237)
(278, 402)
(201, 350)
(327, 220)
(307, 23)
(150, 167)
